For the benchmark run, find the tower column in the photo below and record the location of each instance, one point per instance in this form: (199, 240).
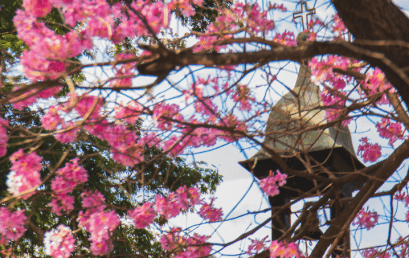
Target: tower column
(336, 209)
(282, 222)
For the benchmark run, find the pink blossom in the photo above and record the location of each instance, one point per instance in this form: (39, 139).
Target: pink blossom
(271, 183)
(375, 253)
(375, 82)
(92, 199)
(232, 122)
(338, 26)
(207, 211)
(142, 216)
(172, 239)
(100, 247)
(36, 67)
(101, 225)
(321, 70)
(51, 119)
(368, 151)
(59, 243)
(202, 137)
(94, 202)
(283, 249)
(164, 113)
(167, 206)
(11, 225)
(257, 245)
(187, 197)
(191, 246)
(39, 8)
(402, 197)
(129, 113)
(197, 247)
(184, 5)
(286, 38)
(73, 172)
(334, 102)
(366, 219)
(24, 173)
(68, 178)
(69, 135)
(118, 136)
(174, 145)
(89, 104)
(49, 92)
(63, 203)
(389, 130)
(130, 156)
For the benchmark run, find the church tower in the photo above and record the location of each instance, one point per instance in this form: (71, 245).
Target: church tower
(296, 131)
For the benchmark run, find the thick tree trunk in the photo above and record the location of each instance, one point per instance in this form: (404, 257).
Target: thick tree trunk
(380, 20)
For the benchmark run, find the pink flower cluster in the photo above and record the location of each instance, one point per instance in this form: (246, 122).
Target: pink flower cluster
(369, 152)
(170, 206)
(376, 82)
(389, 130)
(69, 135)
(164, 113)
(124, 72)
(59, 242)
(51, 120)
(142, 216)
(88, 105)
(286, 38)
(11, 225)
(271, 183)
(376, 253)
(129, 113)
(102, 224)
(98, 222)
(366, 219)
(30, 96)
(194, 246)
(48, 51)
(25, 173)
(94, 202)
(64, 183)
(283, 250)
(321, 70)
(257, 246)
(207, 211)
(39, 8)
(184, 6)
(4, 123)
(402, 197)
(334, 102)
(338, 25)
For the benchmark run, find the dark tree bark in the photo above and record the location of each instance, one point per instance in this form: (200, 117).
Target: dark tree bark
(380, 20)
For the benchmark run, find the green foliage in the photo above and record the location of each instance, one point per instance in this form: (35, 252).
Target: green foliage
(8, 34)
(105, 174)
(161, 175)
(204, 15)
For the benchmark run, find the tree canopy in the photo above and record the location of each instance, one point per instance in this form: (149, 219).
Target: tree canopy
(104, 107)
